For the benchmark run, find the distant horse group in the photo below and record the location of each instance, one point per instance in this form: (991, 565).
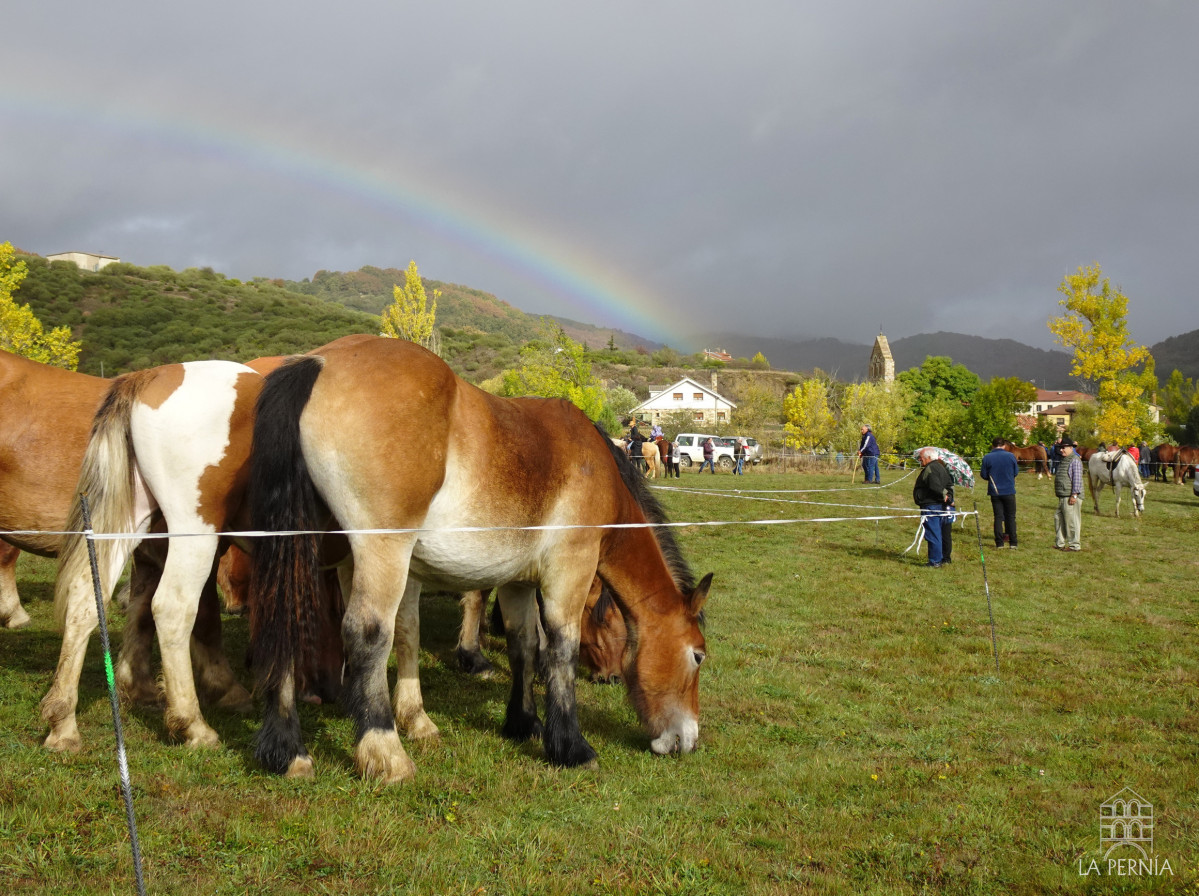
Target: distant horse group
(1181, 460)
(171, 450)
(654, 454)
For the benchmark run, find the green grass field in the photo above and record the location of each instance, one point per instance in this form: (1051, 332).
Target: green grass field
(855, 737)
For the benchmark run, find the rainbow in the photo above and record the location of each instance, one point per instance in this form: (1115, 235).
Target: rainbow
(590, 288)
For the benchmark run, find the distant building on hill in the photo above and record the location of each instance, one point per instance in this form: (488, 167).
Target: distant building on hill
(717, 354)
(882, 365)
(85, 260)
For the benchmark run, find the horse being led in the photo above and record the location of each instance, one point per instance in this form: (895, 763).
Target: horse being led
(329, 424)
(1117, 469)
(170, 443)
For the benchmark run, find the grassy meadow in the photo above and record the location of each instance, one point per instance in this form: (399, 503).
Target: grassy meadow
(855, 736)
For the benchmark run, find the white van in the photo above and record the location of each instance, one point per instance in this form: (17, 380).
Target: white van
(691, 450)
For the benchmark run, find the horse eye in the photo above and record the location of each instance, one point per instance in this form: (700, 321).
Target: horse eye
(699, 656)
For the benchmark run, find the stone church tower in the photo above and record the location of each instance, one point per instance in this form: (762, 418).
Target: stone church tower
(882, 365)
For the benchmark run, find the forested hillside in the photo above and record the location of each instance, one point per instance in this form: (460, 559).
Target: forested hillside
(129, 318)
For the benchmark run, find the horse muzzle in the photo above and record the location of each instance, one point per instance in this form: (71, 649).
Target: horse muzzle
(681, 736)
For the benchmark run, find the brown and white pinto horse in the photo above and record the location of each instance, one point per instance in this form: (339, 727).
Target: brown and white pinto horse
(475, 513)
(1030, 454)
(168, 444)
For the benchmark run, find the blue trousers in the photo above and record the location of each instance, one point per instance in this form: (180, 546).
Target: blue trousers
(938, 532)
(870, 468)
(708, 462)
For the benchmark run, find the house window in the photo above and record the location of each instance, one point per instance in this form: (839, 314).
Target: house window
(699, 416)
(698, 396)
(720, 415)
(678, 396)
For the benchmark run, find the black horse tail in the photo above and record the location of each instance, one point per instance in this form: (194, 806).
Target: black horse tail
(284, 590)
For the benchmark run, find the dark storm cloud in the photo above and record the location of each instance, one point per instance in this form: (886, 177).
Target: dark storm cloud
(779, 168)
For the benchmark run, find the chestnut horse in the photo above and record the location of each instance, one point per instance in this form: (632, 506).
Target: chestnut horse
(45, 416)
(602, 636)
(1187, 459)
(170, 445)
(648, 454)
(1031, 454)
(1165, 457)
(473, 514)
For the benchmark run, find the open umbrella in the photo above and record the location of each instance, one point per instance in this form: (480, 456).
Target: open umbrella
(959, 470)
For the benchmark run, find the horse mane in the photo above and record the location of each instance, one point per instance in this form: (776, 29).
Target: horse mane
(634, 481)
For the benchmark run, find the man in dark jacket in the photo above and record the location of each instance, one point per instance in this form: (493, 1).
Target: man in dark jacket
(1000, 469)
(868, 452)
(933, 494)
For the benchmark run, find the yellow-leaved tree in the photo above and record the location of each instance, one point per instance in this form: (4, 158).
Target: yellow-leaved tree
(20, 331)
(410, 316)
(883, 406)
(1095, 328)
(807, 418)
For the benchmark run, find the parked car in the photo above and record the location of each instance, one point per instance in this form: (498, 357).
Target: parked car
(753, 450)
(691, 450)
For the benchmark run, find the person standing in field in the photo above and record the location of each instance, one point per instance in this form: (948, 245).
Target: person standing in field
(709, 454)
(933, 494)
(1000, 469)
(868, 452)
(1067, 486)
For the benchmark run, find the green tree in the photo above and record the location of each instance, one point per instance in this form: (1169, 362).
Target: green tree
(992, 412)
(808, 419)
(759, 362)
(556, 367)
(1095, 329)
(1045, 431)
(20, 331)
(757, 406)
(1178, 396)
(411, 316)
(621, 401)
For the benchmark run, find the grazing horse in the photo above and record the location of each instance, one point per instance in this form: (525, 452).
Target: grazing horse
(471, 515)
(602, 635)
(1117, 469)
(170, 445)
(1032, 454)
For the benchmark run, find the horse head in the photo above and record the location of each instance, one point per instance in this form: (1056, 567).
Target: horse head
(662, 670)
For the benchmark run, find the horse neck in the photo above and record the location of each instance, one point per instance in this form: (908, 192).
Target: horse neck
(633, 565)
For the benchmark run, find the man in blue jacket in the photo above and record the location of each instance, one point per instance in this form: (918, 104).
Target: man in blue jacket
(1000, 469)
(868, 452)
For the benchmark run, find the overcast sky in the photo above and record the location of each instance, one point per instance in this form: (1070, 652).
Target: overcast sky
(787, 168)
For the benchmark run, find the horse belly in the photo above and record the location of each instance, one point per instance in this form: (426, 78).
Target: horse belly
(464, 561)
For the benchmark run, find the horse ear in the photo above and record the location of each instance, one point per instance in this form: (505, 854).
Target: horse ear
(699, 595)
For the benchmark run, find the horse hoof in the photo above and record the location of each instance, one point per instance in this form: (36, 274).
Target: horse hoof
(421, 728)
(301, 768)
(237, 699)
(19, 619)
(63, 743)
(203, 739)
(380, 756)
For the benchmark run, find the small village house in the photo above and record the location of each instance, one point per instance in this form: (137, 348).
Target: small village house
(706, 406)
